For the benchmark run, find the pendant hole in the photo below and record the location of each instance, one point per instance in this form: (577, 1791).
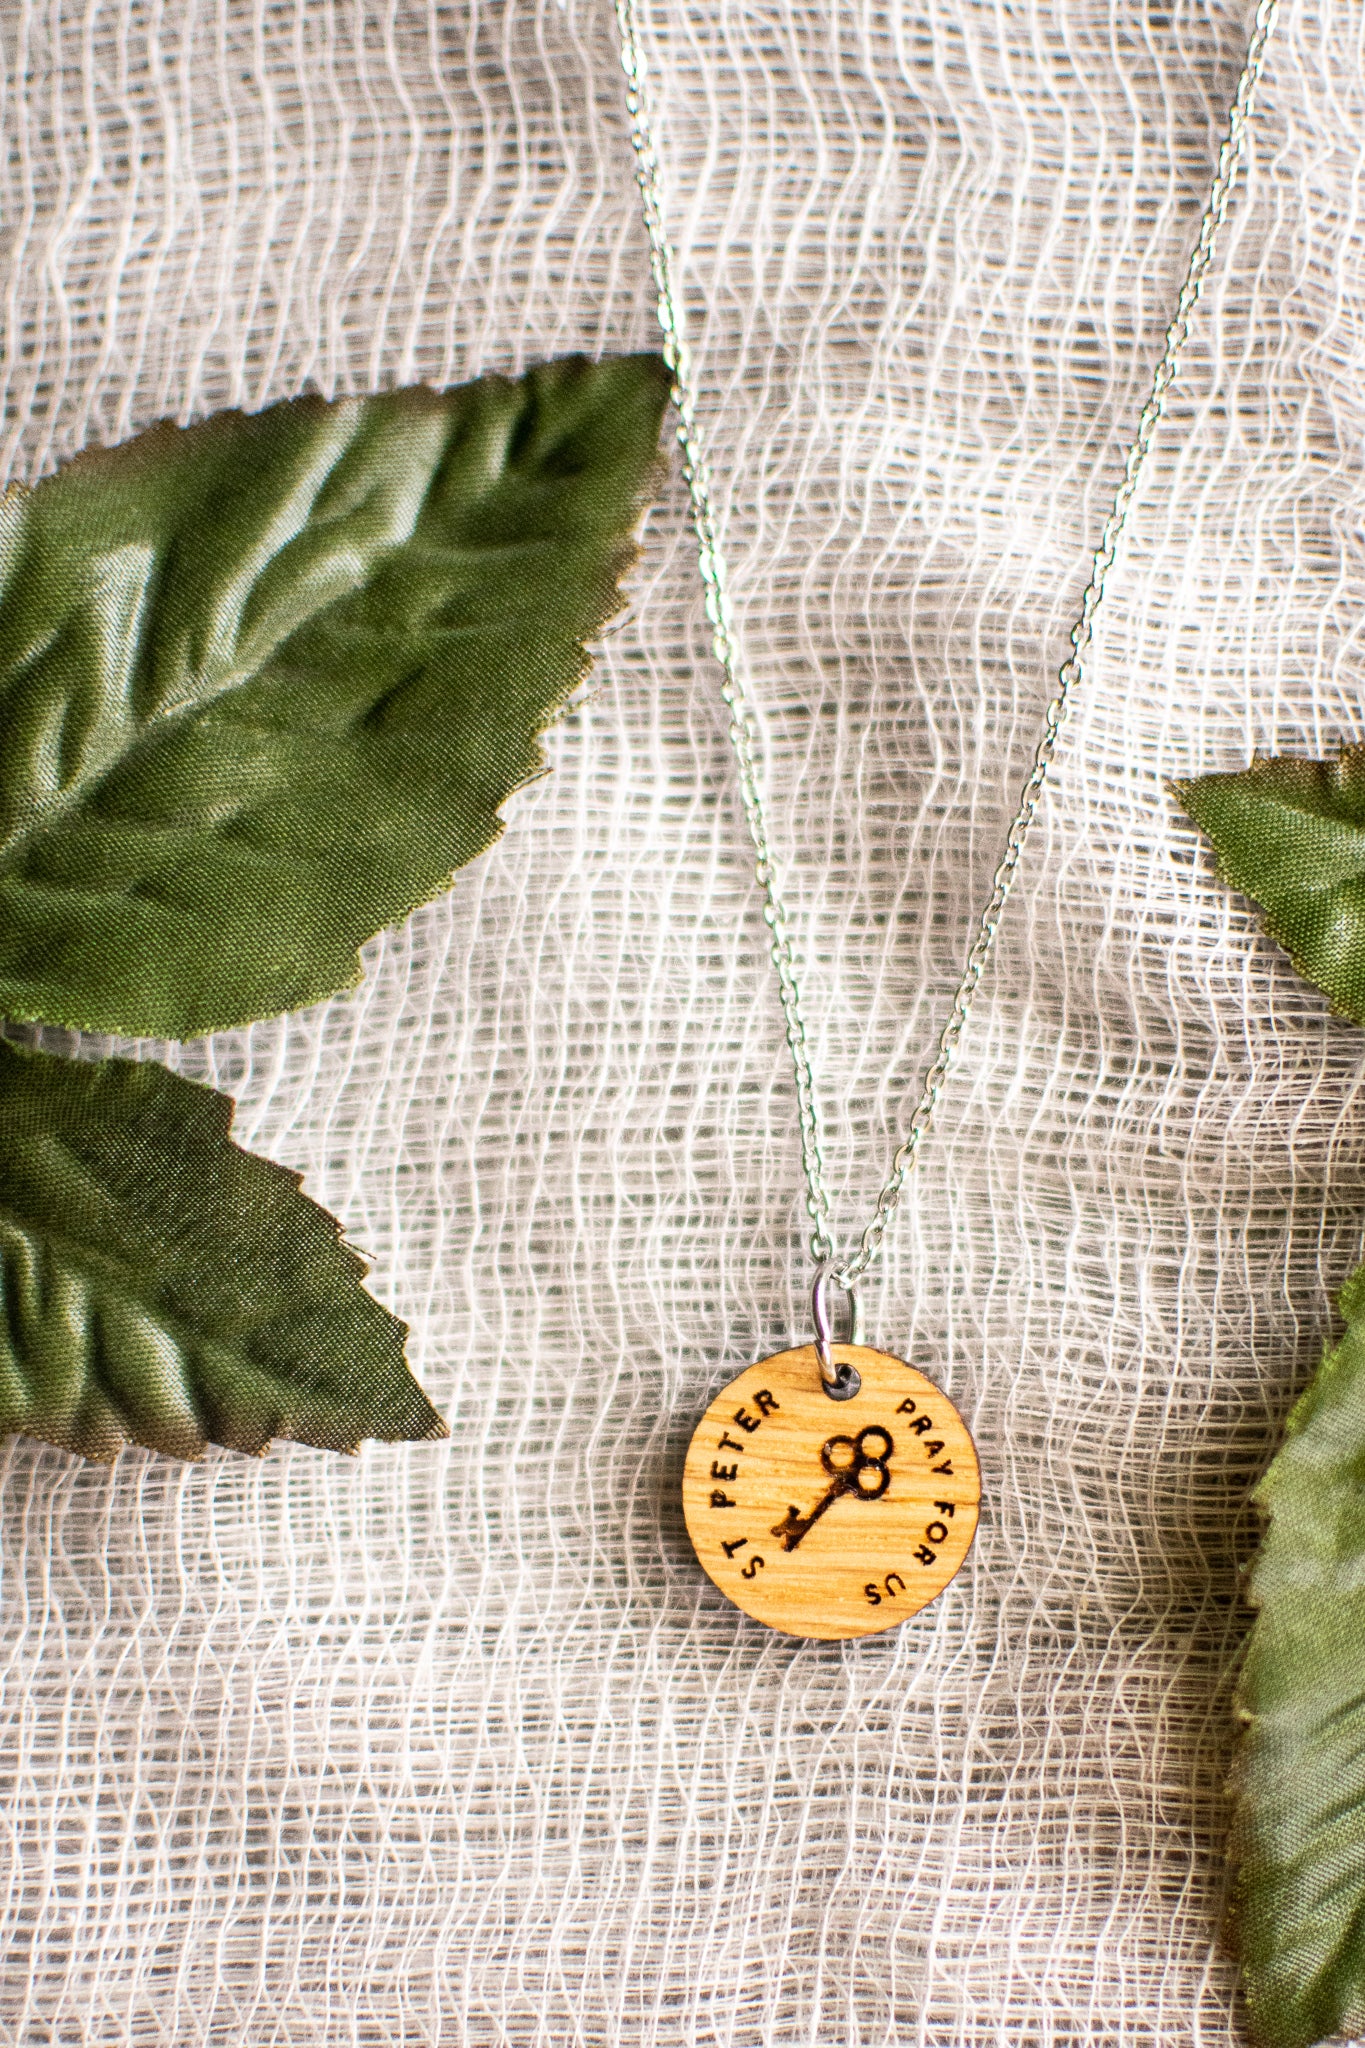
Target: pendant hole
(847, 1382)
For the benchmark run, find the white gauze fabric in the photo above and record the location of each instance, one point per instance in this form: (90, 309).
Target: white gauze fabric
(453, 1744)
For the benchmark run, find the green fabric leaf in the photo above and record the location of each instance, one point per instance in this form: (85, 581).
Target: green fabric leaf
(160, 1286)
(1299, 1836)
(1291, 835)
(265, 682)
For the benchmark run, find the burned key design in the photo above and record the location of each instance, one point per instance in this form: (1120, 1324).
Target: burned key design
(854, 1467)
(766, 1437)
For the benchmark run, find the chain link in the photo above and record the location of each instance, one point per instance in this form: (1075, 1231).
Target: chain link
(734, 683)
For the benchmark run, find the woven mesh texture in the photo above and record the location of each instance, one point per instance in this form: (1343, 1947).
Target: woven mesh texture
(453, 1744)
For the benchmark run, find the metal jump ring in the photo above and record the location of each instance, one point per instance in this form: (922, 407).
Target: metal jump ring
(841, 1381)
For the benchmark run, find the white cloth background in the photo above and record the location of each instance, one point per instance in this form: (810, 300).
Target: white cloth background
(453, 1744)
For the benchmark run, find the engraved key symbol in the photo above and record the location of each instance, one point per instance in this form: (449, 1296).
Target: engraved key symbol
(854, 1467)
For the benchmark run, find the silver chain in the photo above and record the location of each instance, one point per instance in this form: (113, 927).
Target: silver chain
(734, 684)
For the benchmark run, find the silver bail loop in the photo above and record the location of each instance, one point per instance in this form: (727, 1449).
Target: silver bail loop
(835, 1377)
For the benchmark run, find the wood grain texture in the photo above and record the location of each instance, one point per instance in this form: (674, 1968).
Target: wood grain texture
(828, 1518)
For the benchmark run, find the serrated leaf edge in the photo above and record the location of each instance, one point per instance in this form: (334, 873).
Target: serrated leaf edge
(1263, 918)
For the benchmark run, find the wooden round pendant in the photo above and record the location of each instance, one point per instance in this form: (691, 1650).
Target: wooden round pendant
(831, 1518)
